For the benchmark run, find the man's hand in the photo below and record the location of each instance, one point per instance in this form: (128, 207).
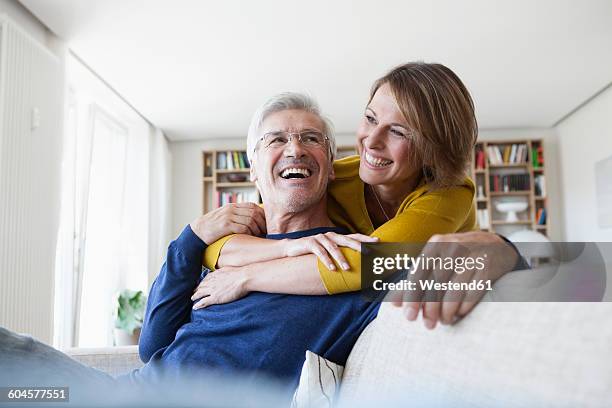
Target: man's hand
(499, 258)
(243, 218)
(224, 285)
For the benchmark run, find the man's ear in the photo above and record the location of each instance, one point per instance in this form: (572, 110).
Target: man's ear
(332, 173)
(252, 172)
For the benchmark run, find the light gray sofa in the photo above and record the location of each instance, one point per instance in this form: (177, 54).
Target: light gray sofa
(112, 360)
(502, 354)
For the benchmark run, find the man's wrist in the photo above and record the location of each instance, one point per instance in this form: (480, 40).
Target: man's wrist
(520, 262)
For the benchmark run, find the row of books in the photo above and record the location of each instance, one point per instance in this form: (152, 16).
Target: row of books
(539, 185)
(226, 197)
(232, 160)
(506, 154)
(541, 216)
(509, 182)
(483, 218)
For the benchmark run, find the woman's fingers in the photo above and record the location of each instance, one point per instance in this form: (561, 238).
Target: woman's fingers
(344, 240)
(319, 250)
(333, 250)
(362, 238)
(352, 241)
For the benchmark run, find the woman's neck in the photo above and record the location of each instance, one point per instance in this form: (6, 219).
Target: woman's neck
(384, 200)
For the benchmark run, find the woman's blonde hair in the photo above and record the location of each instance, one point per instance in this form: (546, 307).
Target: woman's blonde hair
(440, 112)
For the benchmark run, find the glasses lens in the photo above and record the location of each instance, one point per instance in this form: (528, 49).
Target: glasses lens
(312, 138)
(276, 139)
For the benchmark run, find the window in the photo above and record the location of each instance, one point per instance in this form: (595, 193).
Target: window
(103, 244)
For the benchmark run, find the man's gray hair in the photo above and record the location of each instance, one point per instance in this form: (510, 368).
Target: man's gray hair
(287, 101)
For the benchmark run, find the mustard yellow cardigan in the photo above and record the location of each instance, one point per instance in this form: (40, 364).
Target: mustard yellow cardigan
(423, 213)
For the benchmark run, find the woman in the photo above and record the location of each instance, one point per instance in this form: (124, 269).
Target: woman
(415, 142)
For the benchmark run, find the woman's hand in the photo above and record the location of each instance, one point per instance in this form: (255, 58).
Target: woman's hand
(497, 257)
(224, 285)
(241, 218)
(325, 247)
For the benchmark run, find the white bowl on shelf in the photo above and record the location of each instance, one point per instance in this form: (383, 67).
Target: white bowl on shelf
(511, 208)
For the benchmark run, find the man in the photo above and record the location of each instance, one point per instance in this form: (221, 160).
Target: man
(262, 332)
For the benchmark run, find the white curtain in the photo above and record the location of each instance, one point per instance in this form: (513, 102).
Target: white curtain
(160, 205)
(114, 209)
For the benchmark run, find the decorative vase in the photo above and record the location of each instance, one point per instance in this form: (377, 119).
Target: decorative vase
(123, 338)
(511, 208)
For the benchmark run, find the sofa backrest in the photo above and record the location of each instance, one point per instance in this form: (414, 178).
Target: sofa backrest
(502, 354)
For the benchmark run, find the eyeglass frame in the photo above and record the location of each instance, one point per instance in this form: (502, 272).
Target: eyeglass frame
(299, 135)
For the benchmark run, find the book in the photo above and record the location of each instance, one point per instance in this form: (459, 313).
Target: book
(541, 216)
(507, 152)
(230, 161)
(539, 185)
(247, 164)
(513, 154)
(540, 156)
(221, 160)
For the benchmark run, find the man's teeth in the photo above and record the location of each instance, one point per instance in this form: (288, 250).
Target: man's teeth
(287, 172)
(374, 161)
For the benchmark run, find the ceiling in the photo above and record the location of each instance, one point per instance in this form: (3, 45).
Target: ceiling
(198, 69)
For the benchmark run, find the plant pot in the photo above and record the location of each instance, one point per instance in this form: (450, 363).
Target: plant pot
(123, 338)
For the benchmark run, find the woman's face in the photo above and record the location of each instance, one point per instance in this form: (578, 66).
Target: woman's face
(384, 143)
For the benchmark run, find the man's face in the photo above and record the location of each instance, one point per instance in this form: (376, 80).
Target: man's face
(294, 177)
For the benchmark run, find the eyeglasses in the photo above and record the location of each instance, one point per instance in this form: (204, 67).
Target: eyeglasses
(308, 138)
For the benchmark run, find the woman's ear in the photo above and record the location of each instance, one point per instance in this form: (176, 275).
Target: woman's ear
(252, 172)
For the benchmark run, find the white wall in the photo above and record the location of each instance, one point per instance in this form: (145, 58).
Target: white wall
(30, 158)
(585, 137)
(30, 24)
(187, 173)
(552, 166)
(187, 164)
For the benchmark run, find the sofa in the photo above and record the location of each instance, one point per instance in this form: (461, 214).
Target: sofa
(514, 354)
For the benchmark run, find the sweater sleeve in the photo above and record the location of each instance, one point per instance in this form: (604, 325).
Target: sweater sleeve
(213, 252)
(436, 212)
(169, 304)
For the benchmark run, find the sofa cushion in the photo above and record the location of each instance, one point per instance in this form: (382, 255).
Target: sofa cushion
(111, 360)
(319, 382)
(502, 354)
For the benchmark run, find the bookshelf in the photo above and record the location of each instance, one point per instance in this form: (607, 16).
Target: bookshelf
(225, 177)
(510, 178)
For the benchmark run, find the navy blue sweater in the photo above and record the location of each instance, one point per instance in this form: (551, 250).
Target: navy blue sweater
(262, 333)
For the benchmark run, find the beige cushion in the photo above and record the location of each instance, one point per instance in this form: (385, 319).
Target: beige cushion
(319, 382)
(502, 354)
(111, 360)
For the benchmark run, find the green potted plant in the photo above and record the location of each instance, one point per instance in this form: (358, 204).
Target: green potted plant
(129, 315)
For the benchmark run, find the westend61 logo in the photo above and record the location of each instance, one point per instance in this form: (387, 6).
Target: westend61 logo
(411, 267)
(442, 279)
(451, 271)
